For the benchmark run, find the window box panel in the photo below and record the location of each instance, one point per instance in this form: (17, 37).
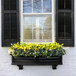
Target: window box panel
(20, 61)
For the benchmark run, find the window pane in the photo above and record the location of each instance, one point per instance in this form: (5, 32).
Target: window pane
(42, 21)
(37, 27)
(40, 34)
(37, 6)
(47, 6)
(34, 34)
(27, 34)
(47, 22)
(27, 22)
(27, 28)
(27, 6)
(47, 34)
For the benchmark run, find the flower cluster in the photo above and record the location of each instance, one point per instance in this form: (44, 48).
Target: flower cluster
(36, 49)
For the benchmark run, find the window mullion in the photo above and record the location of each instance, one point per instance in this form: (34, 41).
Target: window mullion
(42, 33)
(53, 20)
(32, 30)
(21, 21)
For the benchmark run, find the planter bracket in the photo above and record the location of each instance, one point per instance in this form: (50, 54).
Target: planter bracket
(20, 67)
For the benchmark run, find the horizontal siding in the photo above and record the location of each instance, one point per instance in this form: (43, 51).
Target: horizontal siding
(0, 23)
(67, 69)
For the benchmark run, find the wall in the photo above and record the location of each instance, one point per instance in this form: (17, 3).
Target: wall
(67, 69)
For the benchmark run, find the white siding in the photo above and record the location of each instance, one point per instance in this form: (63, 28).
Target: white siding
(0, 23)
(67, 69)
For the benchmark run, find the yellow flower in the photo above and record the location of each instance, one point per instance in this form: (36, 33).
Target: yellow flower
(21, 47)
(11, 44)
(10, 51)
(25, 49)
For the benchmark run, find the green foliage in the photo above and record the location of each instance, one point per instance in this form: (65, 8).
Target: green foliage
(37, 49)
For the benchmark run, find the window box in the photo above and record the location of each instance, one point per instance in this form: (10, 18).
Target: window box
(20, 61)
(36, 54)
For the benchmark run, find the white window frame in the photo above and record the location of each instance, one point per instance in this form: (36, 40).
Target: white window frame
(21, 19)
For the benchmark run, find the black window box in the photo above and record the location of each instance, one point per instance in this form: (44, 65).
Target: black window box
(20, 61)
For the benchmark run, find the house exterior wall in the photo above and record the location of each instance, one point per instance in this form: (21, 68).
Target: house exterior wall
(67, 69)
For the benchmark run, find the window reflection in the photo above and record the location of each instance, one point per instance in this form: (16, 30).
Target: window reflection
(38, 27)
(47, 6)
(37, 6)
(27, 34)
(47, 34)
(27, 6)
(27, 22)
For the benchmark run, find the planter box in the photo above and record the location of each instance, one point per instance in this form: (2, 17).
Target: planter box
(20, 61)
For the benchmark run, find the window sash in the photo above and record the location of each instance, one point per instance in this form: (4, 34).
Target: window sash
(39, 29)
(32, 3)
(53, 19)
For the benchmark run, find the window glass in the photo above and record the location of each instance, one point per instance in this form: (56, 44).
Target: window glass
(37, 20)
(47, 6)
(37, 6)
(27, 6)
(37, 27)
